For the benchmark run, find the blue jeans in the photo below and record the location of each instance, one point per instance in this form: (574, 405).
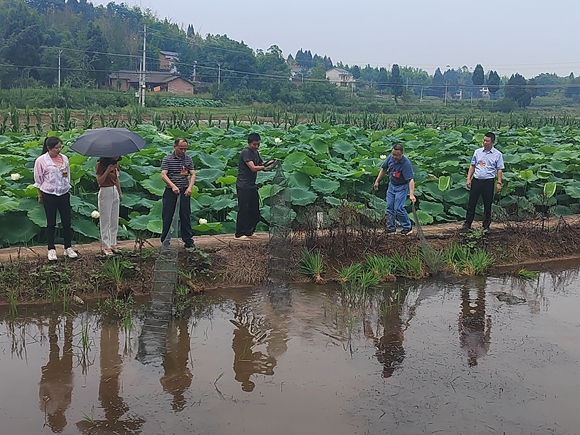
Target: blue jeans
(396, 197)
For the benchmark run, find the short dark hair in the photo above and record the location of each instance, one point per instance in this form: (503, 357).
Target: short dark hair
(398, 147)
(177, 141)
(490, 135)
(252, 137)
(50, 143)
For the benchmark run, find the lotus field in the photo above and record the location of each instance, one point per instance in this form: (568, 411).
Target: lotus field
(325, 165)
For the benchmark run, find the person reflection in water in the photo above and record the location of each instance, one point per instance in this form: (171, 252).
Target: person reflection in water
(390, 351)
(474, 326)
(112, 404)
(56, 382)
(246, 361)
(177, 377)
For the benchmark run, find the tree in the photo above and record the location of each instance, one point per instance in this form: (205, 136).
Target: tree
(478, 76)
(355, 71)
(97, 60)
(573, 89)
(493, 82)
(190, 31)
(517, 90)
(438, 84)
(22, 35)
(396, 82)
(382, 79)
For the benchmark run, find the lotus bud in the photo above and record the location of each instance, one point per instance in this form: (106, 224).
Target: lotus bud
(277, 140)
(202, 221)
(15, 177)
(95, 214)
(383, 156)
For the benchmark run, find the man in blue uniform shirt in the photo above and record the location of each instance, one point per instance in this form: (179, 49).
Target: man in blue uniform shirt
(401, 183)
(486, 164)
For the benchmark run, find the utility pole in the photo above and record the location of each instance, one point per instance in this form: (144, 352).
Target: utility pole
(142, 75)
(59, 53)
(194, 71)
(219, 64)
(445, 97)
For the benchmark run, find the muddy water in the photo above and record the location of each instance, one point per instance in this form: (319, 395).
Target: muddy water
(444, 357)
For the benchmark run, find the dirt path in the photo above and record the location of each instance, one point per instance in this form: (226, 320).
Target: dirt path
(439, 231)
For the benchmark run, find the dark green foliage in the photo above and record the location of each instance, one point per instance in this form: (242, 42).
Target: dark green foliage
(493, 82)
(396, 82)
(478, 76)
(518, 90)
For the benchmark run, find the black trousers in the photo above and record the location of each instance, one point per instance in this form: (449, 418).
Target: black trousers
(169, 201)
(52, 203)
(248, 211)
(483, 188)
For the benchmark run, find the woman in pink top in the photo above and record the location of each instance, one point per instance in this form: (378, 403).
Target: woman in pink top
(52, 178)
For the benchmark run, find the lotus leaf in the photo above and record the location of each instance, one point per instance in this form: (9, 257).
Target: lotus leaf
(444, 182)
(155, 226)
(228, 180)
(325, 186)
(210, 226)
(154, 184)
(222, 203)
(424, 218)
(344, 148)
(332, 201)
(433, 208)
(85, 227)
(211, 161)
(16, 227)
(8, 203)
(301, 196)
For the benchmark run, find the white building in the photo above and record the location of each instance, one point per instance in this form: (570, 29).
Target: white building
(340, 77)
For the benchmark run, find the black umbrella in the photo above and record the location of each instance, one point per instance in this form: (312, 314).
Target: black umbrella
(108, 142)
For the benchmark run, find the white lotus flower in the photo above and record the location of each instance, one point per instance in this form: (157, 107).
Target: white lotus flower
(95, 214)
(15, 177)
(383, 156)
(202, 221)
(277, 140)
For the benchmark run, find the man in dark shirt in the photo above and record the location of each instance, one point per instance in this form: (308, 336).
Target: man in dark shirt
(401, 182)
(249, 164)
(179, 177)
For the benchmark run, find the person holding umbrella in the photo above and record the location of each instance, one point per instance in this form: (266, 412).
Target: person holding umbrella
(179, 177)
(52, 178)
(108, 144)
(107, 171)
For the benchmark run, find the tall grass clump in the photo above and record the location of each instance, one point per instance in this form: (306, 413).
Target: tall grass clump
(464, 261)
(311, 265)
(381, 266)
(409, 267)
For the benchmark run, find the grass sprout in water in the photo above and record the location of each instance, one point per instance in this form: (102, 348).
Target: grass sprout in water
(380, 265)
(311, 265)
(527, 275)
(350, 273)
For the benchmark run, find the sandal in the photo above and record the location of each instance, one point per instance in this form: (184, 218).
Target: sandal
(107, 252)
(115, 249)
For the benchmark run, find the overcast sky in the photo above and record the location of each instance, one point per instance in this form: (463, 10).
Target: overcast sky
(525, 36)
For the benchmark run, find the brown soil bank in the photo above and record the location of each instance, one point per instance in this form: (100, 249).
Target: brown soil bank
(223, 261)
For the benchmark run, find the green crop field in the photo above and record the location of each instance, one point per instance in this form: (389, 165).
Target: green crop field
(325, 165)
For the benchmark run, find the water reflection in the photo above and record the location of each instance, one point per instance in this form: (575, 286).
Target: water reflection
(177, 377)
(113, 405)
(56, 382)
(247, 335)
(390, 351)
(474, 325)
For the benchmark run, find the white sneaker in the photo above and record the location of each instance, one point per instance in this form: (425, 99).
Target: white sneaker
(68, 252)
(52, 255)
